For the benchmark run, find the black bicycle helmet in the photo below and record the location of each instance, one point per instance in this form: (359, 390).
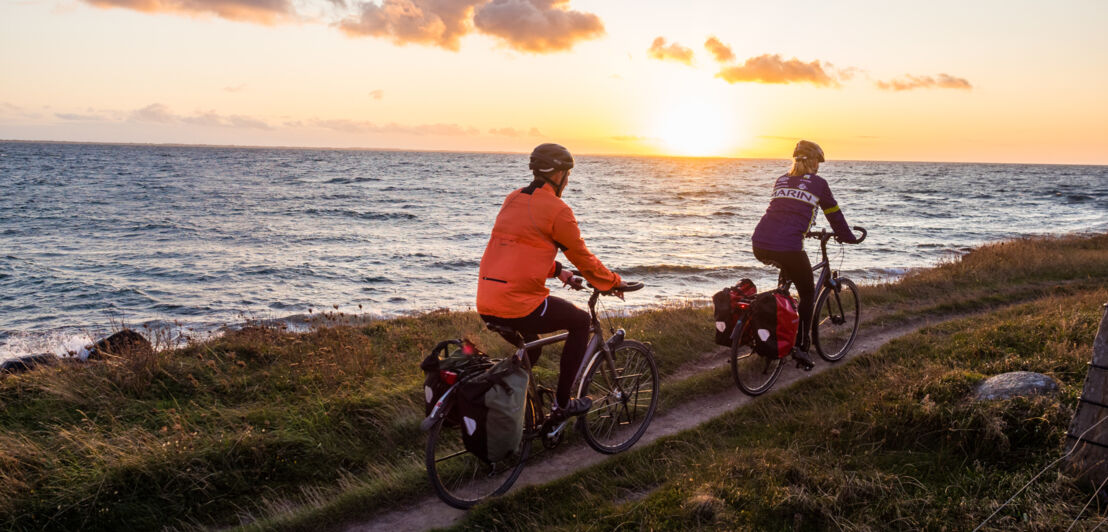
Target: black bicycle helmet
(550, 157)
(808, 150)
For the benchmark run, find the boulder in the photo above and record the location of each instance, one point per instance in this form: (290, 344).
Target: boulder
(124, 342)
(1015, 384)
(27, 362)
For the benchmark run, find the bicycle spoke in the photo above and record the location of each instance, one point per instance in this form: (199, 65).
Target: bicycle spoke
(627, 404)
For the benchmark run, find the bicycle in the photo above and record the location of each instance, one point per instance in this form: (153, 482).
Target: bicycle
(834, 325)
(619, 374)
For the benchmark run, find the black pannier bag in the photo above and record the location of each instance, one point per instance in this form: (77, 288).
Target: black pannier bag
(449, 361)
(727, 309)
(775, 321)
(492, 409)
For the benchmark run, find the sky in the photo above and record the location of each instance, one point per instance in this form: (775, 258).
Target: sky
(1015, 81)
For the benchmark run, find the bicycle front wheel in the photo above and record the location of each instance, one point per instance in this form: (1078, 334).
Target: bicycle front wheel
(835, 321)
(461, 478)
(623, 402)
(754, 374)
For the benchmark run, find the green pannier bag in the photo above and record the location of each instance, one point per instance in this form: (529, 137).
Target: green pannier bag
(492, 407)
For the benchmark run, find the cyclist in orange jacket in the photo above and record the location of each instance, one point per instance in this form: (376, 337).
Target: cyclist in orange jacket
(533, 224)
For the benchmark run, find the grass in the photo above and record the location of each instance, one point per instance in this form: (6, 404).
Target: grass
(301, 430)
(890, 441)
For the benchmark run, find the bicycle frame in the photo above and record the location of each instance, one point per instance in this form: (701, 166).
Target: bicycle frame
(596, 350)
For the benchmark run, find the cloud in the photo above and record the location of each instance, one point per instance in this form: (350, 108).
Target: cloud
(674, 52)
(435, 22)
(910, 82)
(534, 132)
(155, 112)
(377, 94)
(258, 11)
(75, 117)
(361, 126)
(720, 51)
(235, 88)
(772, 69)
(160, 114)
(538, 26)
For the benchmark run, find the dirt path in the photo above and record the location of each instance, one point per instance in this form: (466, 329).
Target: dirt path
(431, 512)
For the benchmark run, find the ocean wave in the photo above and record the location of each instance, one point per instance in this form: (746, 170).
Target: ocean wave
(349, 180)
(457, 264)
(677, 269)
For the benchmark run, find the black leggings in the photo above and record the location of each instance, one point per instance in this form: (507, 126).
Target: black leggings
(554, 314)
(796, 267)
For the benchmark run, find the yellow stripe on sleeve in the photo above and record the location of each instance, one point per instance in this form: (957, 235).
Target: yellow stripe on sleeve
(831, 210)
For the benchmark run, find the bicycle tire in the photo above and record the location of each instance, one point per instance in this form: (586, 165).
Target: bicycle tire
(460, 478)
(835, 321)
(620, 416)
(754, 374)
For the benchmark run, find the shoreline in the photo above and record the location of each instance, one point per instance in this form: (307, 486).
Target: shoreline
(66, 340)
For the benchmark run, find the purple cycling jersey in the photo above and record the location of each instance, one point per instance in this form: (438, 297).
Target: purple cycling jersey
(792, 212)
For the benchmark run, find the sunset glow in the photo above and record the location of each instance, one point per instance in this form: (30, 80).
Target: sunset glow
(601, 76)
(695, 128)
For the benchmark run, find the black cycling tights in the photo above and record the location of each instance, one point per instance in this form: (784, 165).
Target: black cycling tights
(555, 314)
(797, 268)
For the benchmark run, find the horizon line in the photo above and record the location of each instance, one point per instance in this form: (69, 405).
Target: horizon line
(495, 152)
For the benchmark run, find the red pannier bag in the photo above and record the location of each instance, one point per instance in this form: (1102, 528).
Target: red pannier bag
(728, 305)
(775, 323)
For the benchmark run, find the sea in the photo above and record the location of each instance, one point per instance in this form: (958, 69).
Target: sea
(94, 237)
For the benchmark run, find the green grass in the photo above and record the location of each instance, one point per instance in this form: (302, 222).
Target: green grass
(889, 441)
(301, 430)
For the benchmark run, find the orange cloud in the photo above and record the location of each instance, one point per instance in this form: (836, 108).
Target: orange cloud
(258, 11)
(527, 25)
(538, 26)
(436, 22)
(772, 69)
(910, 82)
(674, 52)
(377, 94)
(720, 51)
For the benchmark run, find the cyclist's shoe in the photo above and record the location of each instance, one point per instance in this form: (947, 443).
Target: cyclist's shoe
(802, 360)
(576, 407)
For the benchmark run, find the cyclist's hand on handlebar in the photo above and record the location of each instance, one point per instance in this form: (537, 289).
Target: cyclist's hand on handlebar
(569, 279)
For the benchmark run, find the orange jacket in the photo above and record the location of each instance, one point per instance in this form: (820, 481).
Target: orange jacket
(532, 226)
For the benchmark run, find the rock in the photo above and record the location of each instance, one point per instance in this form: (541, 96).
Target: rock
(27, 362)
(1015, 384)
(123, 342)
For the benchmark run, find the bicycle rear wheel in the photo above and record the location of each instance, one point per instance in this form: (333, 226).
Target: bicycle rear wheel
(460, 478)
(835, 321)
(624, 403)
(754, 374)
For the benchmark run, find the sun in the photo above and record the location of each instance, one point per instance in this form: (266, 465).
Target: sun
(695, 128)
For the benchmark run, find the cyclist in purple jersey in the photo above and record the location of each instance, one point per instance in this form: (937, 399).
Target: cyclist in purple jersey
(778, 239)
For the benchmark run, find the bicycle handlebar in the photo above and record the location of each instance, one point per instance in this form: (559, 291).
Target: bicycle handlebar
(824, 235)
(627, 286)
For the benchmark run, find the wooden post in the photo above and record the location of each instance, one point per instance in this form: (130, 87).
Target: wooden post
(1087, 438)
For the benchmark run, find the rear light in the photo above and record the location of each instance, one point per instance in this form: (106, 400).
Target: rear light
(449, 377)
(468, 349)
(744, 306)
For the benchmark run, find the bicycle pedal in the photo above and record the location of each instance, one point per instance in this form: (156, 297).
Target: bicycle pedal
(800, 364)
